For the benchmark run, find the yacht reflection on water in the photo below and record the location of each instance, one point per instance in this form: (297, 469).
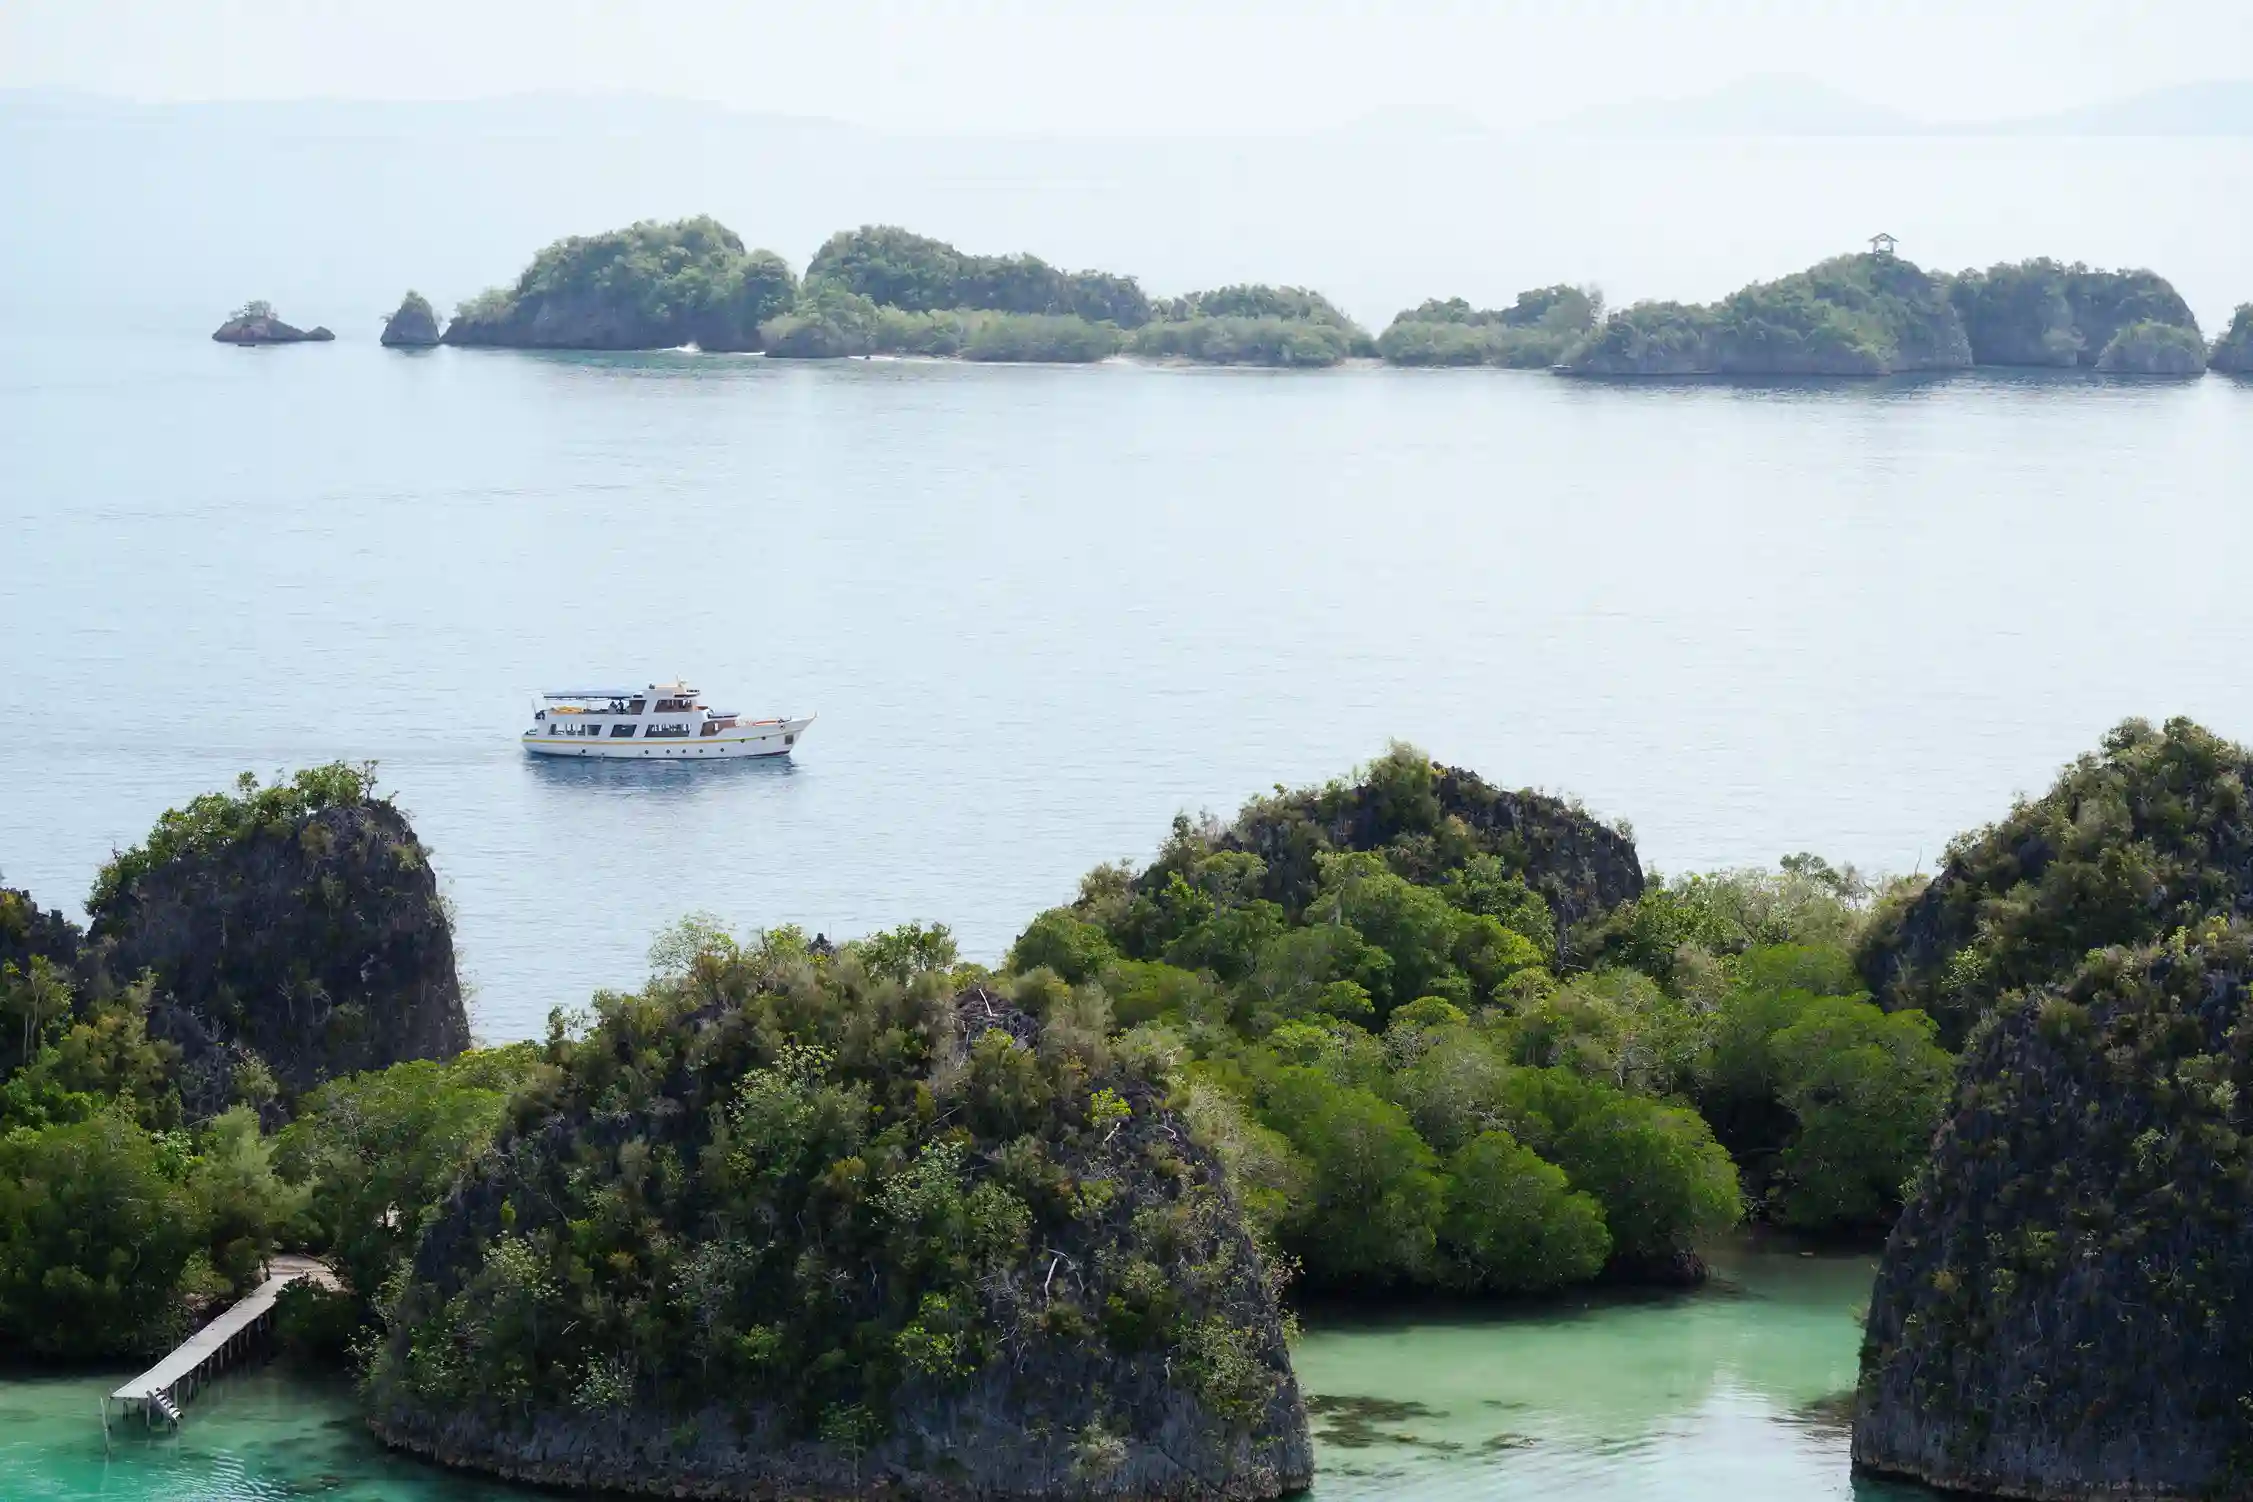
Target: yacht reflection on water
(657, 779)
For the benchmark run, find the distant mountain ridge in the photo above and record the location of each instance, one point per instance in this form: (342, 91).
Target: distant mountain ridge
(1793, 105)
(329, 208)
(1760, 105)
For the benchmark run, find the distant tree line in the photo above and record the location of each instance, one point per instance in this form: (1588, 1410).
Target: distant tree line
(881, 289)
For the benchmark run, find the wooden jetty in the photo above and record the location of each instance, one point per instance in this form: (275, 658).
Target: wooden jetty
(160, 1391)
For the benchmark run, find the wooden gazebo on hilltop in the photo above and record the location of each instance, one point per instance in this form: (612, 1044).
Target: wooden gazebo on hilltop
(1882, 244)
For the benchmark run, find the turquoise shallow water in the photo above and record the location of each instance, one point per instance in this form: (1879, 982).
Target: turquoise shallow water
(1708, 1397)
(1719, 1396)
(264, 1434)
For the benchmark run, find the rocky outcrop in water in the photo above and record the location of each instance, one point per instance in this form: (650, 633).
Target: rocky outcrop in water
(2149, 834)
(298, 925)
(2233, 352)
(414, 325)
(882, 1241)
(255, 323)
(2063, 1311)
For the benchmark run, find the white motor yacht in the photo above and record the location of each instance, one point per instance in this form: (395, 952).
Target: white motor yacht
(661, 720)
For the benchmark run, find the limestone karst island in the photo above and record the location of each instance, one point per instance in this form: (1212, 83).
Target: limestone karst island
(837, 1219)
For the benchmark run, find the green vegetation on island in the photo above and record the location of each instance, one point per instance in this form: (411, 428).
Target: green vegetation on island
(2151, 348)
(1251, 325)
(1475, 1051)
(886, 291)
(828, 323)
(2042, 312)
(2233, 351)
(796, 1214)
(648, 286)
(1859, 315)
(257, 944)
(883, 290)
(810, 1215)
(2061, 1309)
(290, 933)
(1535, 332)
(2134, 841)
(895, 268)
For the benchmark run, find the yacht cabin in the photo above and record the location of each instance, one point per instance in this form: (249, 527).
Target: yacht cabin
(657, 720)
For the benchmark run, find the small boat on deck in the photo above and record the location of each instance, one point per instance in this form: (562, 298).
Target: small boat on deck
(659, 720)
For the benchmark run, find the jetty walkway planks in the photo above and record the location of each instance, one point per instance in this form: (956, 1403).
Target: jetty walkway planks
(217, 1345)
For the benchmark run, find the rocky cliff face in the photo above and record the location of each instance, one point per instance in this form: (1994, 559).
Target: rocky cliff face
(413, 326)
(313, 940)
(262, 327)
(2152, 832)
(578, 319)
(2065, 1307)
(876, 1242)
(1580, 866)
(2233, 352)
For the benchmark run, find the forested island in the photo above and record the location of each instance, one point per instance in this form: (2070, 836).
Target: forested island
(882, 290)
(796, 1214)
(1878, 314)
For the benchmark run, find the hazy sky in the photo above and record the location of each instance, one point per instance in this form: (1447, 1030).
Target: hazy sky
(1129, 66)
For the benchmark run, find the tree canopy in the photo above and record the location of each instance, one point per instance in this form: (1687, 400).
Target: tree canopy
(647, 286)
(896, 268)
(1851, 315)
(1538, 330)
(2044, 312)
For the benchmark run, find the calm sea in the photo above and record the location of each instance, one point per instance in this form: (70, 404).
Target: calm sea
(1040, 611)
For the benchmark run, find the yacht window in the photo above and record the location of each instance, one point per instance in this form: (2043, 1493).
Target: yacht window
(551, 727)
(621, 732)
(711, 727)
(635, 707)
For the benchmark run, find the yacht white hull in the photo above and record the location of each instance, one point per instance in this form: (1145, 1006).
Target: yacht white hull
(771, 738)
